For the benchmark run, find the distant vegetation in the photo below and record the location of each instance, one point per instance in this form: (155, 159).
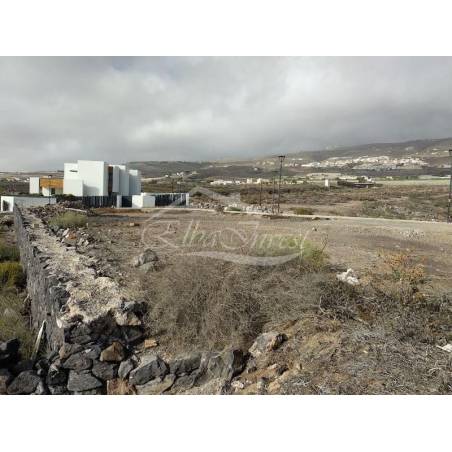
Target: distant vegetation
(13, 187)
(302, 210)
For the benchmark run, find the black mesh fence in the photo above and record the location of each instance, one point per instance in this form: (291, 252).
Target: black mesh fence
(166, 199)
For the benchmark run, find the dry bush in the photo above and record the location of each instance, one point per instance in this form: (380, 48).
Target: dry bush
(212, 304)
(338, 299)
(400, 279)
(205, 303)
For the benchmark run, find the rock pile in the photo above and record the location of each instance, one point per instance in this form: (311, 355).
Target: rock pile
(96, 369)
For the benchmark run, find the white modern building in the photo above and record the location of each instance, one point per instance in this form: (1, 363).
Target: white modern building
(93, 179)
(90, 178)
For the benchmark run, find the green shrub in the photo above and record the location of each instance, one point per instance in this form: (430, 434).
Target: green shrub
(302, 210)
(11, 274)
(69, 220)
(8, 253)
(234, 209)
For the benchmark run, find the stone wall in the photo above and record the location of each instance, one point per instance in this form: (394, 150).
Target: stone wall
(89, 327)
(45, 288)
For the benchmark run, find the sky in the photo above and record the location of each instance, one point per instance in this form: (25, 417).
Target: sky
(55, 110)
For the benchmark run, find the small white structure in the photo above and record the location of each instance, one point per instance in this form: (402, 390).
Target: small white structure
(7, 202)
(142, 201)
(46, 186)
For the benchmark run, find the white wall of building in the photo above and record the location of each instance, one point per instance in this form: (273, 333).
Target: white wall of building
(24, 201)
(94, 175)
(115, 185)
(142, 201)
(34, 185)
(71, 171)
(48, 191)
(124, 188)
(134, 182)
(73, 187)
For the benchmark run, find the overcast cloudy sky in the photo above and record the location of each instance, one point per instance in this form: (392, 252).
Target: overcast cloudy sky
(54, 110)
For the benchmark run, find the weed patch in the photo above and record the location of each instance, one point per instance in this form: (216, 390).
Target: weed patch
(11, 274)
(13, 322)
(69, 220)
(8, 253)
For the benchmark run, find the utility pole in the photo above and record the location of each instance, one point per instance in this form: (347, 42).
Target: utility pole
(281, 160)
(273, 195)
(260, 196)
(450, 187)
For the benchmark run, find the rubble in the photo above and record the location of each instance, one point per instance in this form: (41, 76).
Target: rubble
(150, 367)
(446, 348)
(157, 386)
(25, 383)
(267, 342)
(348, 277)
(115, 353)
(147, 260)
(125, 368)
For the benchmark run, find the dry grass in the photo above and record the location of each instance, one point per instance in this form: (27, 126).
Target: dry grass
(201, 303)
(8, 253)
(13, 321)
(13, 315)
(210, 304)
(400, 278)
(69, 220)
(302, 210)
(11, 274)
(205, 303)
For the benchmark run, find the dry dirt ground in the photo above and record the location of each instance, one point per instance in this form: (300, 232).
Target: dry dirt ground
(356, 243)
(363, 348)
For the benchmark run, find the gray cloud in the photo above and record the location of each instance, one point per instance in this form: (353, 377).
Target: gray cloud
(54, 110)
